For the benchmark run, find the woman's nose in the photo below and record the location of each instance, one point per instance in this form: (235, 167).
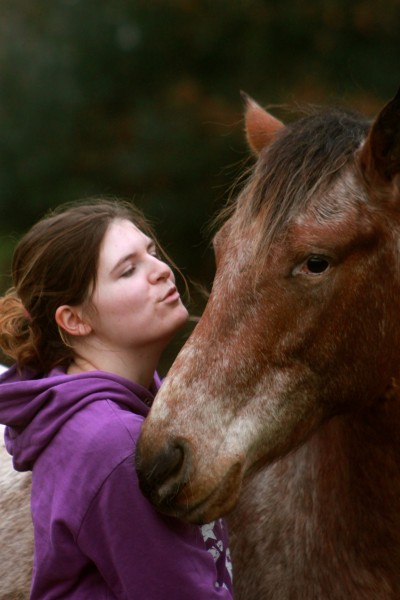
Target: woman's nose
(159, 270)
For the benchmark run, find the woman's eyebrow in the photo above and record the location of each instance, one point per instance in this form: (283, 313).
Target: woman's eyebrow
(124, 259)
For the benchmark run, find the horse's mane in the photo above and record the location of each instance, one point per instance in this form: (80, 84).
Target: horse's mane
(305, 159)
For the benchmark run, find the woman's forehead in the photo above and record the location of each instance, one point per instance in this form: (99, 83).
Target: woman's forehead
(121, 232)
(121, 238)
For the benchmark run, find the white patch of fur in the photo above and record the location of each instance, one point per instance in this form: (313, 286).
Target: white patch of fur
(262, 419)
(16, 530)
(339, 200)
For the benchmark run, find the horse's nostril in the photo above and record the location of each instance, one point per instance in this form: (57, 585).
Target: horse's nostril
(162, 475)
(168, 464)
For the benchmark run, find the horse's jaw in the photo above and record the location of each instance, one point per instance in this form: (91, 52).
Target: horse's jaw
(201, 482)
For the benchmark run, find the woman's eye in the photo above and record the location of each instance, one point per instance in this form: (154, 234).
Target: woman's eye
(128, 272)
(314, 265)
(153, 250)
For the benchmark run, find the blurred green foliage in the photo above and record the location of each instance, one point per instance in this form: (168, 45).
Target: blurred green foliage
(140, 98)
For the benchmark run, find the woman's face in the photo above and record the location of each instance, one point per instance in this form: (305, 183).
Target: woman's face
(136, 302)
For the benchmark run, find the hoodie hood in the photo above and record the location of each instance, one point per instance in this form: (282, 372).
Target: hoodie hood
(34, 406)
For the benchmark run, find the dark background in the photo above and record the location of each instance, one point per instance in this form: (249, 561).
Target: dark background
(140, 99)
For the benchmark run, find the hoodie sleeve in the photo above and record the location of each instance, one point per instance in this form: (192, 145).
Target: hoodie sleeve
(142, 554)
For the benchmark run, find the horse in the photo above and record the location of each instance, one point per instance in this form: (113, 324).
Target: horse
(282, 410)
(16, 529)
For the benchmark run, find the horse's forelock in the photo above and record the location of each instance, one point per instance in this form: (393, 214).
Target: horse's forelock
(304, 162)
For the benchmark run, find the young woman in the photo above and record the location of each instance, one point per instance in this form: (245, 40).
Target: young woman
(91, 310)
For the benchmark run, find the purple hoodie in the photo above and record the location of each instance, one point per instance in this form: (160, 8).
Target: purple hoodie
(96, 536)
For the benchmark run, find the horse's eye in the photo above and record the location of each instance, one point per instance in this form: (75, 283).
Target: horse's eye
(315, 265)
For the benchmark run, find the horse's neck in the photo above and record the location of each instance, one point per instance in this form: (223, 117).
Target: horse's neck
(358, 457)
(348, 474)
(344, 481)
(352, 461)
(324, 521)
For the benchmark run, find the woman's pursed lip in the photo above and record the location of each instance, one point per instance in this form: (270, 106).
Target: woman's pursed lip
(171, 295)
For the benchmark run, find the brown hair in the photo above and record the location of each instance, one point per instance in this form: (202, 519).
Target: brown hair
(55, 263)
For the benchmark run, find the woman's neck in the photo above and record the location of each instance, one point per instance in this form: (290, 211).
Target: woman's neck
(136, 366)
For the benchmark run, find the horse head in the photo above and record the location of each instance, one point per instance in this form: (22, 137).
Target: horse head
(302, 321)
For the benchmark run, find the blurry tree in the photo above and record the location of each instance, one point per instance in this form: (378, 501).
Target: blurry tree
(140, 98)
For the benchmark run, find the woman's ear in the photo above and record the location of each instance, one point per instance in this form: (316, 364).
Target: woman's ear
(69, 318)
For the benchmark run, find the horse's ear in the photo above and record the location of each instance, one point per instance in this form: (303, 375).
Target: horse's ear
(261, 127)
(380, 154)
